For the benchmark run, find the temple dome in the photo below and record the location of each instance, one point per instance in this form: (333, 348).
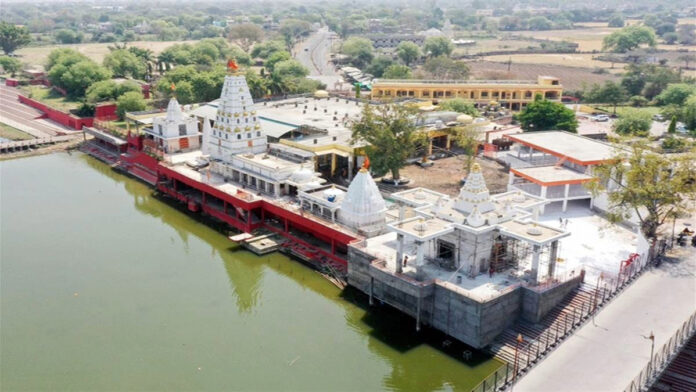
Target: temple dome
(465, 119)
(302, 175)
(362, 204)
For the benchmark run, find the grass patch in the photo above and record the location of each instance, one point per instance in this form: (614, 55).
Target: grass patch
(50, 98)
(12, 133)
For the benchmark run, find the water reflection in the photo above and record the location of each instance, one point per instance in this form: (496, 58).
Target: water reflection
(422, 361)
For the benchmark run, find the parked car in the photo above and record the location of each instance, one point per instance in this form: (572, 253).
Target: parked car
(601, 118)
(681, 128)
(658, 117)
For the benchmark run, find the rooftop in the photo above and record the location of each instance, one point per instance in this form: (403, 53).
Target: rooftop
(387, 82)
(552, 175)
(575, 148)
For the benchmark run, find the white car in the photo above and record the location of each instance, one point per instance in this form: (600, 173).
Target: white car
(601, 118)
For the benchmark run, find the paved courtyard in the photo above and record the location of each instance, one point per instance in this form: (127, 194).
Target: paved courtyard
(607, 354)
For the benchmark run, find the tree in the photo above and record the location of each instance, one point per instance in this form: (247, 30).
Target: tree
(408, 52)
(687, 58)
(687, 34)
(610, 92)
(459, 105)
(276, 58)
(65, 57)
(379, 65)
(672, 127)
(689, 114)
(10, 64)
(651, 187)
(129, 102)
(438, 46)
(67, 36)
(391, 136)
(359, 51)
(444, 67)
(468, 139)
(267, 48)
(73, 71)
(638, 101)
(629, 38)
(540, 23)
(245, 35)
(13, 37)
(290, 69)
(675, 94)
(106, 90)
(542, 115)
(633, 122)
(616, 21)
(397, 71)
(124, 64)
(670, 38)
(290, 29)
(257, 84)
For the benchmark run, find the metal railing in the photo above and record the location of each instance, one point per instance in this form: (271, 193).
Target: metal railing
(663, 357)
(530, 352)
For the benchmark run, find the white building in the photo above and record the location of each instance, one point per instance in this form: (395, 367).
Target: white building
(175, 132)
(238, 148)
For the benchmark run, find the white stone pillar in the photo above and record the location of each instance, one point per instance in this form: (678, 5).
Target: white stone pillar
(276, 189)
(565, 197)
(544, 188)
(511, 178)
(350, 167)
(420, 245)
(402, 212)
(399, 252)
(535, 263)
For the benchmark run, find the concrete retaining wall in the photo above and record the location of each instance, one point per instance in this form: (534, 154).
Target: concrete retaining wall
(536, 305)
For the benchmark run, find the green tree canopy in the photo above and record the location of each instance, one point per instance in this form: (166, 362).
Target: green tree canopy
(68, 36)
(542, 115)
(359, 51)
(629, 38)
(73, 72)
(652, 187)
(616, 20)
(10, 64)
(443, 67)
(130, 102)
(633, 122)
(13, 37)
(676, 94)
(290, 68)
(459, 105)
(276, 57)
(107, 90)
(438, 46)
(611, 93)
(124, 64)
(379, 65)
(391, 136)
(397, 71)
(265, 49)
(245, 35)
(689, 114)
(408, 52)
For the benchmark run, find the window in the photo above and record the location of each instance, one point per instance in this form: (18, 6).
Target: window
(159, 127)
(227, 136)
(239, 136)
(237, 121)
(258, 133)
(249, 135)
(182, 129)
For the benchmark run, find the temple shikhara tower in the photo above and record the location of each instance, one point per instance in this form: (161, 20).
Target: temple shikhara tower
(237, 129)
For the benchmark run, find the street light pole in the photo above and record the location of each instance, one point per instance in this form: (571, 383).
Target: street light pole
(652, 351)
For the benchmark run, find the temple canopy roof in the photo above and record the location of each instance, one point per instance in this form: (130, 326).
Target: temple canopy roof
(363, 204)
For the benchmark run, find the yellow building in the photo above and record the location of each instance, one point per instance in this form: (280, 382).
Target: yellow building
(511, 94)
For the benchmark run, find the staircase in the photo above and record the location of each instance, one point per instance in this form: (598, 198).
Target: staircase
(540, 337)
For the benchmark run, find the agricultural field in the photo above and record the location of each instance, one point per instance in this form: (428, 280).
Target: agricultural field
(492, 44)
(580, 60)
(36, 56)
(572, 78)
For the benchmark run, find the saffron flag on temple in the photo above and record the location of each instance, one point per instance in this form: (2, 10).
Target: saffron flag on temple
(173, 87)
(366, 163)
(232, 65)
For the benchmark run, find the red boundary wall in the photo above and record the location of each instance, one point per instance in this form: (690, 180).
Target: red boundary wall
(56, 115)
(106, 112)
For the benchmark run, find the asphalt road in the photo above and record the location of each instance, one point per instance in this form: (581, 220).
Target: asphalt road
(315, 53)
(25, 118)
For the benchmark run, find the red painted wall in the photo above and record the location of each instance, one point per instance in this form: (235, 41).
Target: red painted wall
(106, 112)
(56, 115)
(11, 82)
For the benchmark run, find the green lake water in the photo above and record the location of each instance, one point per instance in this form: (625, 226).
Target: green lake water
(105, 287)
